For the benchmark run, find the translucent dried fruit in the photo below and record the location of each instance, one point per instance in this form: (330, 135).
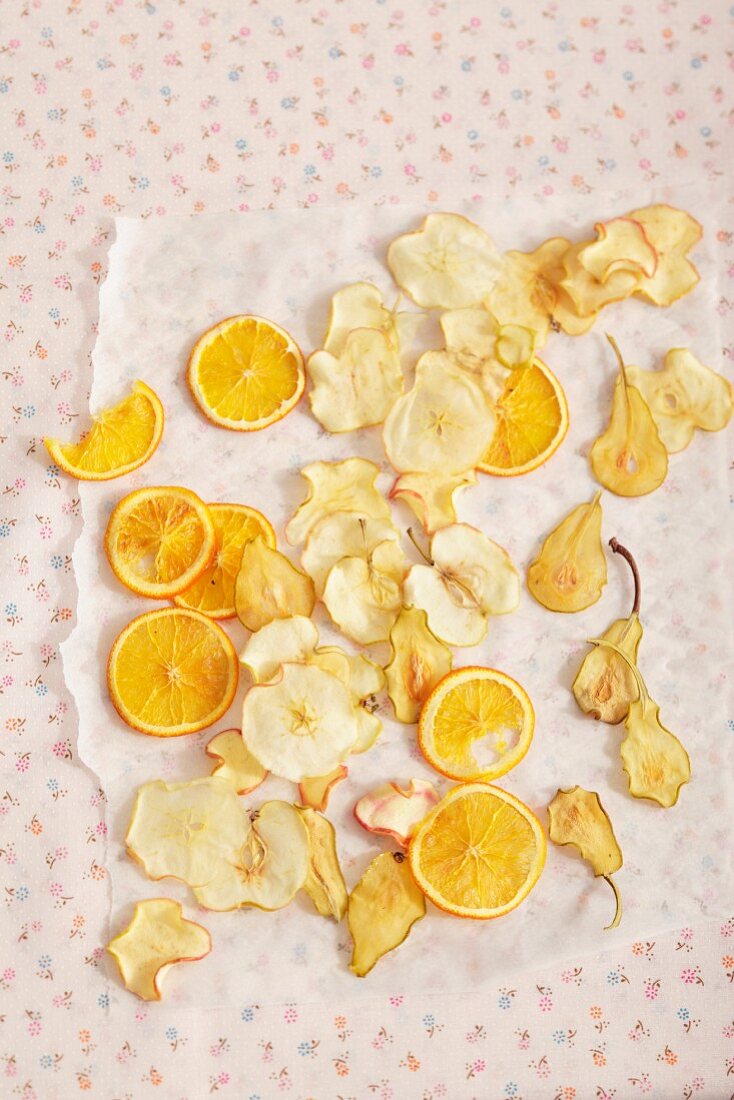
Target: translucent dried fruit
(577, 817)
(361, 305)
(469, 578)
(185, 830)
(358, 388)
(363, 595)
(515, 346)
(683, 396)
(525, 293)
(157, 937)
(347, 486)
(449, 262)
(470, 335)
(315, 790)
(418, 660)
(268, 870)
(293, 639)
(395, 811)
(301, 724)
(621, 245)
(672, 233)
(325, 883)
(442, 425)
(629, 458)
(342, 535)
(588, 294)
(383, 907)
(364, 679)
(571, 570)
(431, 496)
(236, 764)
(270, 587)
(532, 421)
(605, 686)
(656, 763)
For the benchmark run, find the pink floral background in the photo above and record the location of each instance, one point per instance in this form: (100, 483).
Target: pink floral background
(165, 107)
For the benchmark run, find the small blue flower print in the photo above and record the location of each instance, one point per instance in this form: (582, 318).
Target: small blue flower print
(240, 144)
(705, 131)
(466, 66)
(46, 1061)
(11, 609)
(310, 169)
(8, 158)
(56, 561)
(53, 114)
(398, 81)
(29, 411)
(55, 313)
(41, 689)
(39, 227)
(683, 1014)
(559, 1037)
(375, 171)
(516, 93)
(165, 91)
(504, 1001)
(52, 785)
(233, 75)
(5, 530)
(103, 1000)
(429, 1021)
(44, 963)
(4, 87)
(334, 52)
(613, 977)
(472, 135)
(288, 103)
(304, 1048)
(172, 1034)
(696, 62)
(506, 13)
(247, 1014)
(543, 161)
(22, 893)
(628, 76)
(47, 32)
(510, 1089)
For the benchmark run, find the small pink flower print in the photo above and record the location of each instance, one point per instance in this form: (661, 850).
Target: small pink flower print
(34, 1027)
(474, 1068)
(290, 1015)
(643, 1082)
(396, 1000)
(691, 975)
(651, 988)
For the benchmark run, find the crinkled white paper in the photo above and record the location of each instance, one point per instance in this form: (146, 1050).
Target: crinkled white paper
(168, 281)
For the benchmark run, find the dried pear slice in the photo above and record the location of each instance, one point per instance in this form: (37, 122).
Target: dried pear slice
(431, 496)
(325, 883)
(604, 686)
(683, 396)
(570, 571)
(157, 937)
(342, 535)
(269, 869)
(621, 245)
(269, 587)
(576, 816)
(629, 458)
(236, 763)
(293, 639)
(449, 262)
(361, 305)
(672, 233)
(656, 763)
(346, 486)
(357, 389)
(314, 791)
(301, 724)
(418, 660)
(395, 811)
(186, 830)
(383, 907)
(363, 596)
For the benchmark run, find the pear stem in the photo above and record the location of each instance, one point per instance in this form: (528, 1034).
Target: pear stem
(617, 548)
(618, 911)
(419, 548)
(617, 352)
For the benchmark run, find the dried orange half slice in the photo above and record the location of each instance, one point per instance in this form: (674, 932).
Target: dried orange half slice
(477, 723)
(172, 671)
(532, 421)
(121, 438)
(213, 592)
(246, 373)
(478, 853)
(160, 540)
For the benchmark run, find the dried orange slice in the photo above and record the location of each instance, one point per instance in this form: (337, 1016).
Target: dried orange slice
(121, 438)
(246, 373)
(160, 540)
(172, 671)
(476, 724)
(213, 592)
(532, 421)
(479, 853)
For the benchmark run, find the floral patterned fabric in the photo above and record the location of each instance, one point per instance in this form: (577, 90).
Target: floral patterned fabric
(144, 109)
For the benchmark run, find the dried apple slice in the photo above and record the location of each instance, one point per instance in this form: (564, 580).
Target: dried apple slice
(383, 907)
(525, 293)
(325, 882)
(395, 811)
(515, 346)
(468, 578)
(185, 830)
(629, 458)
(357, 389)
(346, 486)
(363, 595)
(443, 425)
(366, 678)
(471, 340)
(269, 869)
(157, 937)
(236, 764)
(315, 790)
(269, 587)
(301, 724)
(431, 496)
(577, 817)
(588, 294)
(449, 262)
(361, 305)
(418, 660)
(604, 686)
(570, 571)
(292, 639)
(672, 233)
(621, 245)
(683, 396)
(342, 535)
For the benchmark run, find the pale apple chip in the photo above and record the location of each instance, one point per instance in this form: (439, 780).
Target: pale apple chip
(448, 263)
(443, 425)
(515, 346)
(186, 830)
(525, 293)
(362, 305)
(363, 595)
(301, 724)
(269, 869)
(418, 660)
(236, 764)
(364, 679)
(383, 907)
(346, 486)
(470, 336)
(269, 587)
(342, 535)
(587, 293)
(621, 245)
(396, 811)
(157, 937)
(357, 389)
(315, 790)
(325, 883)
(672, 233)
(683, 396)
(431, 496)
(293, 639)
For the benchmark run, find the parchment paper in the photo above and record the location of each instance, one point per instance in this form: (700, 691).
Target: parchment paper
(171, 279)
